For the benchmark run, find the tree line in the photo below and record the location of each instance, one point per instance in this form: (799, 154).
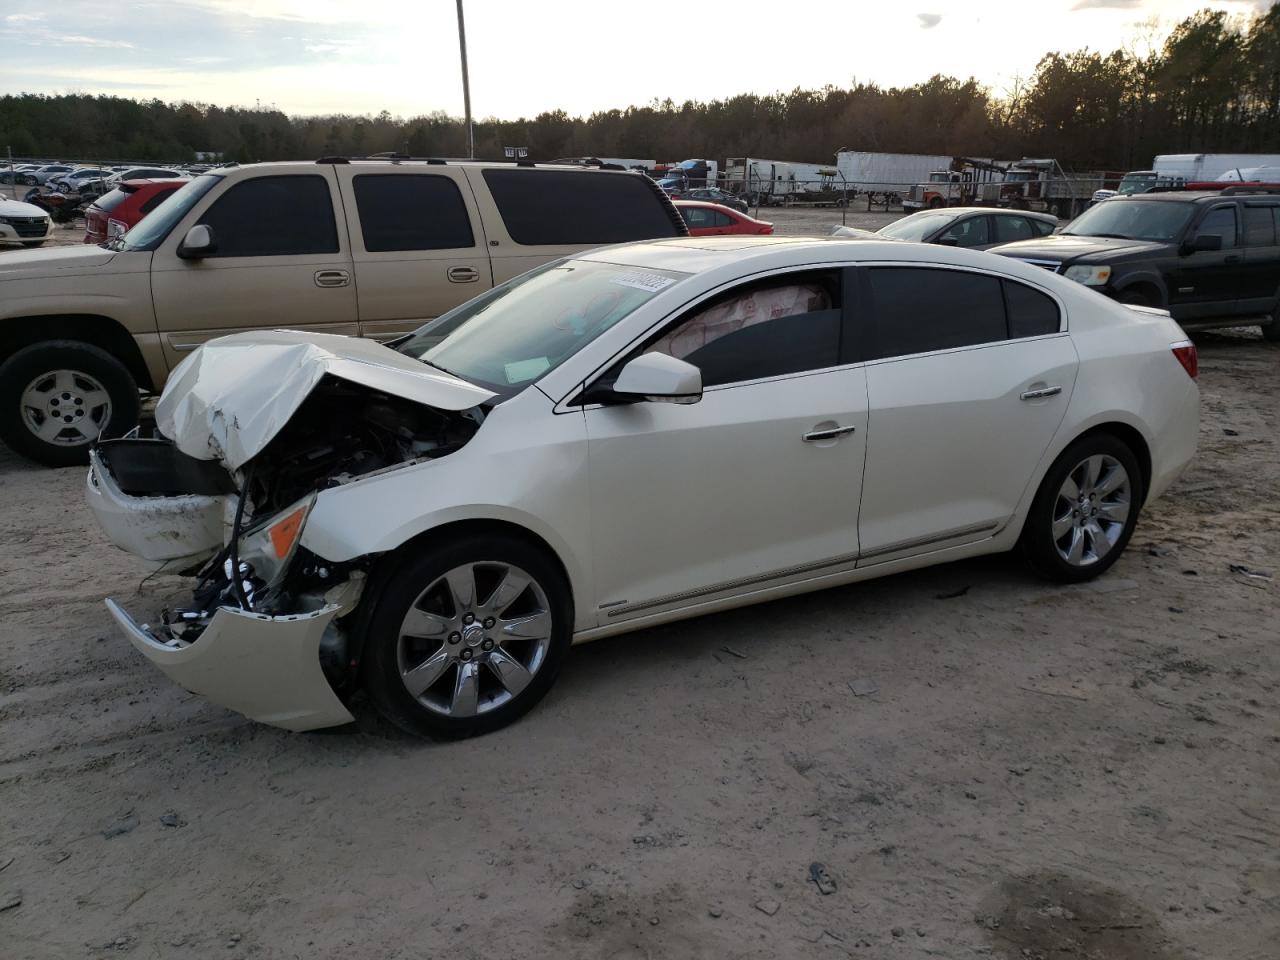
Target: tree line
(1211, 85)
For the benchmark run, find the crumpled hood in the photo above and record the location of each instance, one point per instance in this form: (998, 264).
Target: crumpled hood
(229, 398)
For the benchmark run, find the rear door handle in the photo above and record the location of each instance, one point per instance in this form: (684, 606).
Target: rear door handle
(1041, 393)
(332, 278)
(463, 274)
(833, 433)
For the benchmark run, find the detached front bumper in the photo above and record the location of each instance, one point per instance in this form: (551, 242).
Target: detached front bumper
(267, 668)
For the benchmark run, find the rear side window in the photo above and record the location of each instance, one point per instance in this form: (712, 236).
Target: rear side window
(1031, 313)
(411, 212)
(153, 201)
(721, 219)
(274, 217)
(1260, 226)
(1013, 228)
(920, 310)
(544, 207)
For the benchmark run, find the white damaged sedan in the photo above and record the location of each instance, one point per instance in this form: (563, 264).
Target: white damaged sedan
(642, 433)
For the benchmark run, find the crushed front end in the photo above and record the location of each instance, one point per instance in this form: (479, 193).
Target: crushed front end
(268, 631)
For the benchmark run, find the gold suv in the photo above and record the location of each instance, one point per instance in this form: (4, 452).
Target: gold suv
(370, 248)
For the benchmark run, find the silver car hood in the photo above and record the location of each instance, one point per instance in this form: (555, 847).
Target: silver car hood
(228, 399)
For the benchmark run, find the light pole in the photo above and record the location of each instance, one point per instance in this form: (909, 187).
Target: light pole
(466, 84)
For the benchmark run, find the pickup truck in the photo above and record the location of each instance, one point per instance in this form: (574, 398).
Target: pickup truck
(370, 248)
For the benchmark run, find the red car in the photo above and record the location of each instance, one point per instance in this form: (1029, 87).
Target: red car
(115, 212)
(709, 219)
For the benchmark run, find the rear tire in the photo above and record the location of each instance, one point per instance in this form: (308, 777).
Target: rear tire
(1272, 330)
(32, 244)
(1085, 510)
(56, 397)
(468, 676)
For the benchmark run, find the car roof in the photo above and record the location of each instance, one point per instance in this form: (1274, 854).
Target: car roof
(995, 211)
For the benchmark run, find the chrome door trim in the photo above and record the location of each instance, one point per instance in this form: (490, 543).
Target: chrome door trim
(991, 527)
(764, 578)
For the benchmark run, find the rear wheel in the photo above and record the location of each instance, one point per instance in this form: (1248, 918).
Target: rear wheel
(57, 397)
(467, 637)
(1085, 511)
(1136, 298)
(1271, 331)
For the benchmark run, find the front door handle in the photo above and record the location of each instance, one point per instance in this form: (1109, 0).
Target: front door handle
(1041, 393)
(332, 278)
(832, 433)
(463, 274)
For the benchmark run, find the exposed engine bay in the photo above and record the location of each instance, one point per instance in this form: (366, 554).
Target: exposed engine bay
(341, 432)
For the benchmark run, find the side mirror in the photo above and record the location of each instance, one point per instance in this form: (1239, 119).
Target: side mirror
(199, 242)
(947, 242)
(660, 378)
(1205, 241)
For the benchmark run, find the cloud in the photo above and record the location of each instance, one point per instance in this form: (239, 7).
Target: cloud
(1106, 4)
(23, 17)
(77, 40)
(929, 20)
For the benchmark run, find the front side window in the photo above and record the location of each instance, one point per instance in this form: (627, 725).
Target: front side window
(784, 325)
(411, 212)
(922, 309)
(510, 336)
(1043, 227)
(969, 232)
(916, 227)
(1221, 222)
(274, 217)
(551, 207)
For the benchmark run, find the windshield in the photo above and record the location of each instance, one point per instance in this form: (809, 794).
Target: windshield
(509, 337)
(155, 226)
(1133, 220)
(1136, 183)
(916, 227)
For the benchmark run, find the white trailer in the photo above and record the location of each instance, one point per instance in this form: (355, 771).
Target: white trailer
(778, 181)
(630, 163)
(1210, 166)
(887, 173)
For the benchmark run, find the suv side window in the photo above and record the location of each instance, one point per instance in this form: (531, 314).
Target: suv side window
(1221, 222)
(549, 207)
(150, 204)
(411, 212)
(787, 324)
(274, 217)
(922, 309)
(1260, 226)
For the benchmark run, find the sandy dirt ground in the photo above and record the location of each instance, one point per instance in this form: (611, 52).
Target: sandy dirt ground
(981, 763)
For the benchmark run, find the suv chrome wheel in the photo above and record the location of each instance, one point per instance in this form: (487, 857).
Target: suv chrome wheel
(474, 639)
(65, 407)
(1091, 510)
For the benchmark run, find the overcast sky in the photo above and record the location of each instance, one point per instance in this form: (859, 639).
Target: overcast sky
(362, 56)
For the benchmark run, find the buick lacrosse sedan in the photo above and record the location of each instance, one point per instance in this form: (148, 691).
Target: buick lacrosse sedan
(640, 434)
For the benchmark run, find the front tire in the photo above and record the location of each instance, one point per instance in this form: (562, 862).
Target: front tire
(1085, 510)
(467, 636)
(56, 398)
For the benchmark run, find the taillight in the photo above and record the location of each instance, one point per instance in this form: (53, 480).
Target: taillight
(116, 228)
(1185, 351)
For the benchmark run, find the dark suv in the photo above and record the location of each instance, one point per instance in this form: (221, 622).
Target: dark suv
(1212, 259)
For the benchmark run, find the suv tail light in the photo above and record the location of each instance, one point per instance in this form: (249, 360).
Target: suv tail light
(1185, 351)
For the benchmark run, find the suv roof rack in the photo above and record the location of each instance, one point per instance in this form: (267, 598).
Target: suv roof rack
(1246, 189)
(390, 157)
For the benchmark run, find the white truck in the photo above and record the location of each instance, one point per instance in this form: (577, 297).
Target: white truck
(1211, 166)
(773, 182)
(887, 174)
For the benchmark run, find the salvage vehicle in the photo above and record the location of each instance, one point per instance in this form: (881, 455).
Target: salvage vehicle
(373, 248)
(976, 228)
(1212, 258)
(113, 213)
(618, 439)
(711, 219)
(24, 223)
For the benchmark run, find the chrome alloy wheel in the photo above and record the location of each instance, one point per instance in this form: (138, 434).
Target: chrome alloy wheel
(474, 638)
(65, 407)
(1091, 510)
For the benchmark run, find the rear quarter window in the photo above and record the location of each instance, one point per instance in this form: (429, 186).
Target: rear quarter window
(550, 207)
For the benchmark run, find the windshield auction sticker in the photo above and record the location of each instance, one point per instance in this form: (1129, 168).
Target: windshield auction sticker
(653, 282)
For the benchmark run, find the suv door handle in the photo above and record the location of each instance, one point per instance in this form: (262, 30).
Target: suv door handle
(332, 278)
(833, 433)
(463, 274)
(1041, 393)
